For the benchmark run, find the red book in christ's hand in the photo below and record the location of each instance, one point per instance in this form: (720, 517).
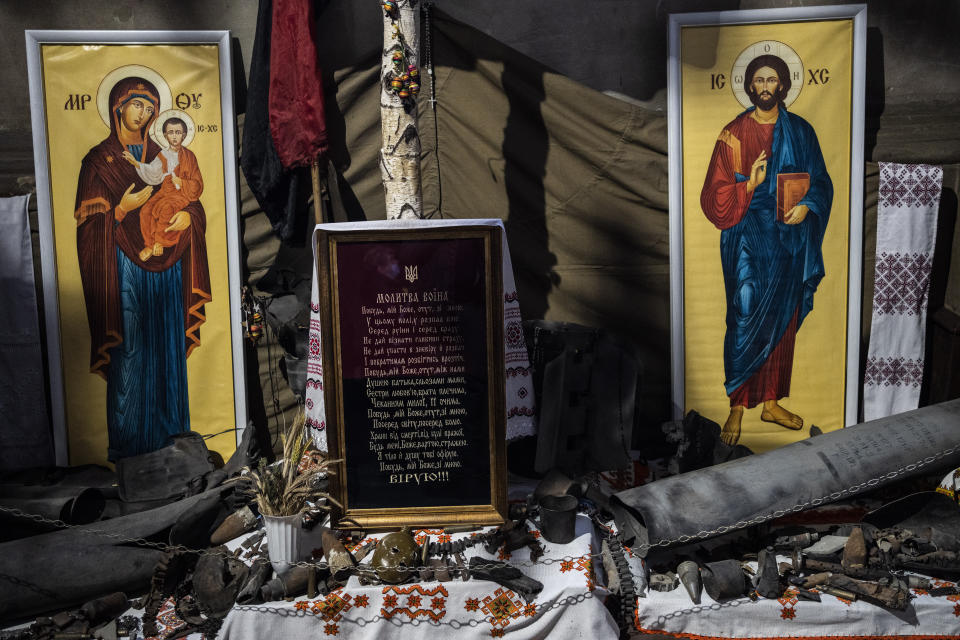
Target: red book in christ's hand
(791, 187)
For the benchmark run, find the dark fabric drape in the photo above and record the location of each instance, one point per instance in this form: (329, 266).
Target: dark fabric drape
(283, 194)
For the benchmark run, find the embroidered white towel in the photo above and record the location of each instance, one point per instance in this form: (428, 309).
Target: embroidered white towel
(906, 233)
(25, 439)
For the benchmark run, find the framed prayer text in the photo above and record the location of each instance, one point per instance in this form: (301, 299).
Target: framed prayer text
(133, 137)
(766, 213)
(413, 372)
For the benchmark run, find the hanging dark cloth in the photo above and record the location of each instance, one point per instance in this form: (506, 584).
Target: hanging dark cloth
(282, 193)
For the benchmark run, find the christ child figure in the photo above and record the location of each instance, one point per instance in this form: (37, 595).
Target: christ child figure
(176, 170)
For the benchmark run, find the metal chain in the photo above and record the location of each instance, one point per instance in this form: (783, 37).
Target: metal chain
(815, 502)
(641, 548)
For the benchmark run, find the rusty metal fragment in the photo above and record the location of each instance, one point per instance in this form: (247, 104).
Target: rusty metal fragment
(768, 574)
(233, 526)
(855, 550)
(338, 558)
(689, 573)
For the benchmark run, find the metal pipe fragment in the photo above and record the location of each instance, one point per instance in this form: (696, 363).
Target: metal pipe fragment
(73, 505)
(102, 610)
(835, 465)
(724, 579)
(290, 585)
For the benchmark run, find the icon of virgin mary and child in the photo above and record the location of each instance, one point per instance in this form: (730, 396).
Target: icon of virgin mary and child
(143, 262)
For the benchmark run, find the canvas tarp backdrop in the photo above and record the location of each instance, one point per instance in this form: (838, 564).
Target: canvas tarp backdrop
(579, 178)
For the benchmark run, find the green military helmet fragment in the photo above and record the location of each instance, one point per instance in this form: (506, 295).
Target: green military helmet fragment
(395, 558)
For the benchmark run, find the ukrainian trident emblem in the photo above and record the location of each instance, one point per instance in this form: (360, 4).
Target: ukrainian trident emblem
(410, 273)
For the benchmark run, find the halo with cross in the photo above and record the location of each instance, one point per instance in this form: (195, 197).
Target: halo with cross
(156, 129)
(767, 47)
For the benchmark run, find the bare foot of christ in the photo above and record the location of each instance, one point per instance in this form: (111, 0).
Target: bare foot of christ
(731, 428)
(773, 412)
(146, 253)
(158, 249)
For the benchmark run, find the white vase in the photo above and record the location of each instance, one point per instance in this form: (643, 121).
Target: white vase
(283, 541)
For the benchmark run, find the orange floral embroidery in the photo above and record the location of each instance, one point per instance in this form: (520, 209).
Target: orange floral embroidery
(415, 594)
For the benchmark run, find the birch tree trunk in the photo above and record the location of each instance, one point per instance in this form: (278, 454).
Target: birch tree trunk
(400, 153)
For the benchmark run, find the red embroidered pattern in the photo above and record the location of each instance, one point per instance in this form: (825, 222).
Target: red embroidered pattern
(421, 534)
(584, 564)
(168, 622)
(910, 185)
(893, 371)
(352, 546)
(332, 607)
(331, 629)
(502, 607)
(415, 594)
(788, 602)
(901, 282)
(472, 604)
(513, 333)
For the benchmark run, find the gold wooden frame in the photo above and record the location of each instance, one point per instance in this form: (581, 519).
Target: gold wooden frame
(328, 275)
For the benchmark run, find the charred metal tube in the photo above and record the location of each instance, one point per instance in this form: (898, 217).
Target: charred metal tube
(291, 584)
(77, 564)
(73, 505)
(798, 476)
(102, 610)
(723, 580)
